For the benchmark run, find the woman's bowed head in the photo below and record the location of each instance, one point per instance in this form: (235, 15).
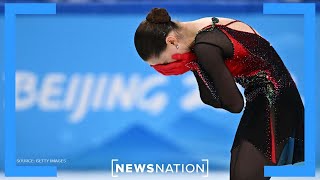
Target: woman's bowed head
(165, 44)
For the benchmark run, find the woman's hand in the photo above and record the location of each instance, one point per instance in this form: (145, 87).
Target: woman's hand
(180, 66)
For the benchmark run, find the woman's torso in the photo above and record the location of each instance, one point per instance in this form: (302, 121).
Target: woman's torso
(250, 58)
(269, 87)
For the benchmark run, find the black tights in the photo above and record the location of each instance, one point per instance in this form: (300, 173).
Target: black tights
(247, 163)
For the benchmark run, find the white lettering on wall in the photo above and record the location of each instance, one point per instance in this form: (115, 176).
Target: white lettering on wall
(25, 90)
(79, 94)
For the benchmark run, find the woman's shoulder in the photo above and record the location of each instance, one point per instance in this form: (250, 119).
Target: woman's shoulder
(216, 38)
(222, 20)
(237, 24)
(225, 20)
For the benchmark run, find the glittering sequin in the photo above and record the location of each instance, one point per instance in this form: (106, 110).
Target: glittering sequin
(197, 67)
(256, 66)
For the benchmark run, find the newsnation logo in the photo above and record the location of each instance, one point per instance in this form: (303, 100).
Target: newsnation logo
(118, 168)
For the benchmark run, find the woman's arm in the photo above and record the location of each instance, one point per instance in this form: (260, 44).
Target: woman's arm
(205, 94)
(210, 59)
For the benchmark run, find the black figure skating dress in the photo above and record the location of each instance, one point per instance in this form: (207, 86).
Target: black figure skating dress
(273, 116)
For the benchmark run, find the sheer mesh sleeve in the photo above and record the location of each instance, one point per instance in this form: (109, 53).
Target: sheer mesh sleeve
(226, 93)
(205, 93)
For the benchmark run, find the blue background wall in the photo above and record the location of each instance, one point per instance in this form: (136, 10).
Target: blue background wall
(84, 94)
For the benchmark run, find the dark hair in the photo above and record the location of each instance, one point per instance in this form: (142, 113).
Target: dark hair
(150, 36)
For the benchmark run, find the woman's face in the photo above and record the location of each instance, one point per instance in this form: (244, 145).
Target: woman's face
(174, 46)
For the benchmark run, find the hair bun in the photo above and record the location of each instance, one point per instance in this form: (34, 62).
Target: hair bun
(158, 15)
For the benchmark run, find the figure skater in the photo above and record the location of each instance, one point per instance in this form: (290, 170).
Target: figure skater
(222, 52)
